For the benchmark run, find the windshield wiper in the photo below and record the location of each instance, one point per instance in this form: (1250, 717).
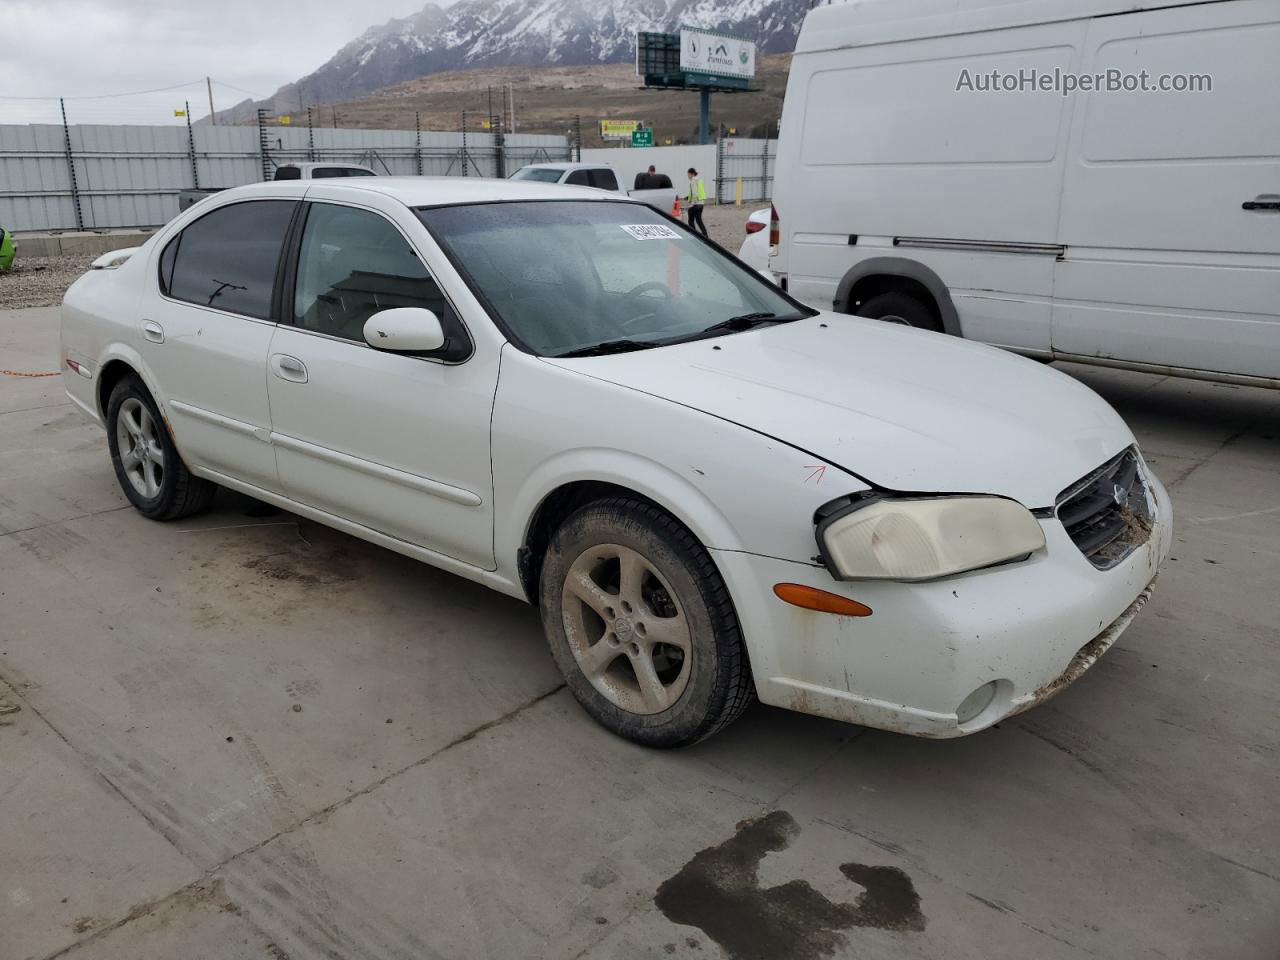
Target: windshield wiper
(747, 321)
(610, 346)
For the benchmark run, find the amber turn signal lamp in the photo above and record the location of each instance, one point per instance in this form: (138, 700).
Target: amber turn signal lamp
(811, 598)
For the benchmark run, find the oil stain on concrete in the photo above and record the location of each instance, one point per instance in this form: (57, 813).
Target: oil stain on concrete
(719, 891)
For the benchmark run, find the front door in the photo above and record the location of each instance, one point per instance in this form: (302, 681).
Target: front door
(396, 443)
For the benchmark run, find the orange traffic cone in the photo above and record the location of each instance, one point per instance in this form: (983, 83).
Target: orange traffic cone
(675, 208)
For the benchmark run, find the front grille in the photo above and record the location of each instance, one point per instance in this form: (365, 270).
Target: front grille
(1108, 513)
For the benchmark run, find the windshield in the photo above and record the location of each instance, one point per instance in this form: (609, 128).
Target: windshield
(568, 277)
(541, 174)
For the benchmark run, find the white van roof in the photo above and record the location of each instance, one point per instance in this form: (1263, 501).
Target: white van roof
(859, 23)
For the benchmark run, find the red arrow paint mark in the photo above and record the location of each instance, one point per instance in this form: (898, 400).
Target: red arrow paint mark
(818, 469)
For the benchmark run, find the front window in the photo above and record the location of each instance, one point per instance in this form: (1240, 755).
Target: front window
(354, 263)
(538, 174)
(575, 277)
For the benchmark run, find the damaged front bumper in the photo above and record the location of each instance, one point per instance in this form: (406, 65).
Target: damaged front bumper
(949, 657)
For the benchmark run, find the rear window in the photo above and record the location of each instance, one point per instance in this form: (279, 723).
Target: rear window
(604, 179)
(539, 174)
(323, 172)
(227, 259)
(287, 173)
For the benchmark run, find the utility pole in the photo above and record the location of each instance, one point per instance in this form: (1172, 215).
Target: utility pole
(213, 117)
(191, 147)
(511, 94)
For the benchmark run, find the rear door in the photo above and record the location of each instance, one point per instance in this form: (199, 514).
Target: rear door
(206, 325)
(395, 443)
(1169, 215)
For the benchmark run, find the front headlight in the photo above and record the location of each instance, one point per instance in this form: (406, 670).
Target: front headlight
(923, 539)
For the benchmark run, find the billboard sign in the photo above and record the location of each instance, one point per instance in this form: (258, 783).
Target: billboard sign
(618, 129)
(712, 53)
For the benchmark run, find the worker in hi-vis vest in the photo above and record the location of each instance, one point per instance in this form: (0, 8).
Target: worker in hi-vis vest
(697, 197)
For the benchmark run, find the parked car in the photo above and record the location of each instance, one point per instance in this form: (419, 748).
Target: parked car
(598, 175)
(286, 171)
(1134, 229)
(755, 249)
(709, 490)
(8, 249)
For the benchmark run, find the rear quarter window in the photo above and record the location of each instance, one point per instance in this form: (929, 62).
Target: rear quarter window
(227, 259)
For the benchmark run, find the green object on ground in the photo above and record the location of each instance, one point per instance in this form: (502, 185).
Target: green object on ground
(7, 249)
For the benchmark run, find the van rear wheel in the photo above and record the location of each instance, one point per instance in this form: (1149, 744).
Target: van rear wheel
(903, 308)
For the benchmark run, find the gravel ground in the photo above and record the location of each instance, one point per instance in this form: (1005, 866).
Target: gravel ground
(728, 224)
(39, 281)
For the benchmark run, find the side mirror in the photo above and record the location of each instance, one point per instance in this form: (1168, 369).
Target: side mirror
(404, 330)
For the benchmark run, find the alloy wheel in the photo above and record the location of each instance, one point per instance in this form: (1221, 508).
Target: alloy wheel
(626, 629)
(141, 450)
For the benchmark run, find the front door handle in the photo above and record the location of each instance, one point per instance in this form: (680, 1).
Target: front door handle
(1267, 201)
(288, 368)
(153, 331)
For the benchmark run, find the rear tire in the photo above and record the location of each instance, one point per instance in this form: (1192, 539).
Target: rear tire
(903, 308)
(640, 623)
(151, 473)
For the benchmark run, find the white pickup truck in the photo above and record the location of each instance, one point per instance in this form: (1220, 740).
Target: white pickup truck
(286, 171)
(598, 175)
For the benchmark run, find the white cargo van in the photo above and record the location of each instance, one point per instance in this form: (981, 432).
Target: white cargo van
(1136, 228)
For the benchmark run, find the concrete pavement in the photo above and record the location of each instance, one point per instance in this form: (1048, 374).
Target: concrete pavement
(248, 736)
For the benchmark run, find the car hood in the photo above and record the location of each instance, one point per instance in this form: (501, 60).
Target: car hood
(903, 409)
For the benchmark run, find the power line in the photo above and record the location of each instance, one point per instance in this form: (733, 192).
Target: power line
(111, 96)
(231, 86)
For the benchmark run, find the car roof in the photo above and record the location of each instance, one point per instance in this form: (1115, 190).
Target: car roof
(859, 23)
(430, 191)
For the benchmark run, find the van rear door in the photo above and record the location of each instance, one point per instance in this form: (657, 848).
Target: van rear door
(1172, 246)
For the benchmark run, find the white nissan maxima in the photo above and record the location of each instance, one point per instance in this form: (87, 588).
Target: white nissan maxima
(710, 491)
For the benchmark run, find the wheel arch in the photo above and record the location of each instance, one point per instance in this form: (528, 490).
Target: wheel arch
(116, 363)
(560, 495)
(881, 274)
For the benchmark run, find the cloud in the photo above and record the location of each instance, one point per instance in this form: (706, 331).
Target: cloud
(88, 48)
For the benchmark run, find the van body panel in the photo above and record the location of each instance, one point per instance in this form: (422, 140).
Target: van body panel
(1163, 264)
(1107, 225)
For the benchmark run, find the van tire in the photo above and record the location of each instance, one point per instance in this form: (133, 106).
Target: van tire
(708, 688)
(903, 308)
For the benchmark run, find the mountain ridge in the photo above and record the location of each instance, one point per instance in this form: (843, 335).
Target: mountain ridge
(502, 33)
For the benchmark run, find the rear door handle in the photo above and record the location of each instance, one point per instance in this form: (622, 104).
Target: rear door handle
(153, 331)
(288, 368)
(1268, 201)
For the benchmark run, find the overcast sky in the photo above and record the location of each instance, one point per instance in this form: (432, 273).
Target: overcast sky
(75, 48)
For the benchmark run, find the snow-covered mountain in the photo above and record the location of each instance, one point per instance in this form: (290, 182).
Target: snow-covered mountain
(526, 33)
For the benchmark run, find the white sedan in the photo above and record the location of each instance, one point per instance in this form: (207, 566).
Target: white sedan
(755, 249)
(711, 492)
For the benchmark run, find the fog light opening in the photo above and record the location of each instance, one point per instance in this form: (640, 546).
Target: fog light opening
(975, 703)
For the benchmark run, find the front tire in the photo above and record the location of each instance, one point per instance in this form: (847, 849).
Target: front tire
(640, 623)
(147, 465)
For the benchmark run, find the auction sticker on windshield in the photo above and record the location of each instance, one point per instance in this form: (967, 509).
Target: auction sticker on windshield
(650, 231)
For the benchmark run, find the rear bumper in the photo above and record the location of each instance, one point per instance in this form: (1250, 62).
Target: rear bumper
(1027, 630)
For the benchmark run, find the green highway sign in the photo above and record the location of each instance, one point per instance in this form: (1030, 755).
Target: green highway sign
(642, 138)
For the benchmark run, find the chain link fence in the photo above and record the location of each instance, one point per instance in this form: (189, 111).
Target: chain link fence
(61, 176)
(745, 169)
